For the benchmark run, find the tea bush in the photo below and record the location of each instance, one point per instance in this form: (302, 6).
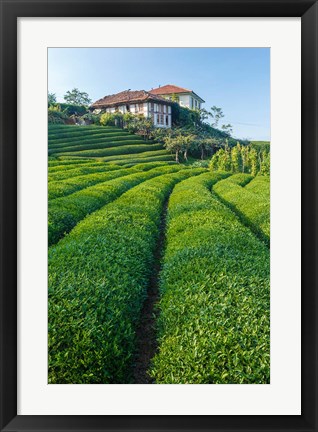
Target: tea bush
(98, 279)
(214, 321)
(117, 150)
(68, 186)
(65, 212)
(251, 202)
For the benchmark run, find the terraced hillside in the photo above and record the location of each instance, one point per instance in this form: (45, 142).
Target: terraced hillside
(106, 143)
(158, 272)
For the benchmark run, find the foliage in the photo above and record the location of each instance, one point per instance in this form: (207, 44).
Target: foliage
(216, 114)
(116, 150)
(51, 99)
(214, 323)
(184, 117)
(95, 301)
(57, 189)
(72, 109)
(65, 212)
(243, 159)
(56, 116)
(249, 198)
(76, 97)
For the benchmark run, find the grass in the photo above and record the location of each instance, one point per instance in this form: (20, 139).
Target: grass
(213, 322)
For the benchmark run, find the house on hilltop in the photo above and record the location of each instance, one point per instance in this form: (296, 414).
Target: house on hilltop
(185, 98)
(155, 104)
(137, 102)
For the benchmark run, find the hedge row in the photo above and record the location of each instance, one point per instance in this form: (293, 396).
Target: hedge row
(98, 279)
(65, 165)
(149, 165)
(65, 212)
(87, 138)
(70, 131)
(251, 203)
(53, 163)
(123, 161)
(114, 151)
(66, 187)
(90, 143)
(82, 170)
(214, 322)
(100, 144)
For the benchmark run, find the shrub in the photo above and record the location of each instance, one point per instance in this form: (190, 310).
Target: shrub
(56, 116)
(214, 307)
(95, 300)
(66, 187)
(65, 212)
(116, 150)
(251, 203)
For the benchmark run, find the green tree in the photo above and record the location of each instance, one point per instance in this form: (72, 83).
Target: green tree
(236, 159)
(188, 144)
(253, 162)
(265, 168)
(216, 114)
(174, 145)
(227, 128)
(245, 158)
(76, 97)
(51, 99)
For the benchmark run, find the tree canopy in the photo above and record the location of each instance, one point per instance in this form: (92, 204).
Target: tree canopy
(77, 97)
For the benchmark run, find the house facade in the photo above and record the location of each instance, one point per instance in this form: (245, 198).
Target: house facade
(137, 102)
(185, 97)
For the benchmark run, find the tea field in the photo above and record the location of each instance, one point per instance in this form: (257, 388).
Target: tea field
(158, 272)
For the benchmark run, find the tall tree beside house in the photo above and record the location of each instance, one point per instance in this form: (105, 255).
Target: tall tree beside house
(76, 97)
(216, 114)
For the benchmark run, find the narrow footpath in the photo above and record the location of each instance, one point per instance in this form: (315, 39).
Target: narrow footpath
(146, 331)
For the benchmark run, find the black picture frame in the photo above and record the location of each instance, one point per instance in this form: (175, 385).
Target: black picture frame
(10, 11)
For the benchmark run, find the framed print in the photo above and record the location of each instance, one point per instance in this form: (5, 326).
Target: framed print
(158, 215)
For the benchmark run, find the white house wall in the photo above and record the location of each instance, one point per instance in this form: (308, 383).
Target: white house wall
(161, 113)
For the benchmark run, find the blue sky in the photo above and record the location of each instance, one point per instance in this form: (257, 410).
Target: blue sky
(235, 79)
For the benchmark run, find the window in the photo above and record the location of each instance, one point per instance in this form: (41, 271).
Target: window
(158, 118)
(167, 120)
(141, 107)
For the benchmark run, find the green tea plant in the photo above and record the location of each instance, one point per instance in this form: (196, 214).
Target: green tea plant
(116, 150)
(65, 212)
(68, 186)
(250, 202)
(98, 279)
(213, 325)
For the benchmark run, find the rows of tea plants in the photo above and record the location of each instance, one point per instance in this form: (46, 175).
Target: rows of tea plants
(70, 185)
(116, 150)
(99, 141)
(213, 324)
(65, 212)
(98, 278)
(250, 200)
(77, 170)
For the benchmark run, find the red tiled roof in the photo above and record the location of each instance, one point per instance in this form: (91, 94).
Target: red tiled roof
(169, 89)
(127, 96)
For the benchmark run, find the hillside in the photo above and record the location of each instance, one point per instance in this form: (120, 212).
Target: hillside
(158, 272)
(106, 143)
